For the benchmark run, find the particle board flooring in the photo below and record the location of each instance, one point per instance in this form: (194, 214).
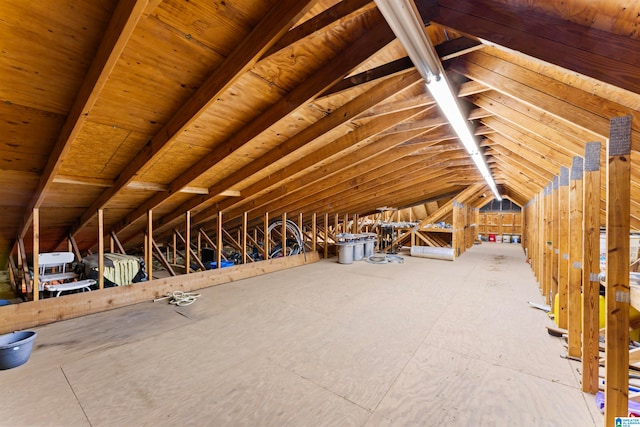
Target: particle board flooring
(423, 343)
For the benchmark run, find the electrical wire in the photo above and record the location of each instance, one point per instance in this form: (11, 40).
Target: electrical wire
(179, 298)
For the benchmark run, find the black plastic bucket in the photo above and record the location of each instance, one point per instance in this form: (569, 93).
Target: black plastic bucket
(15, 348)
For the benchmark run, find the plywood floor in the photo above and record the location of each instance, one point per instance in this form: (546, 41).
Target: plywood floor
(426, 342)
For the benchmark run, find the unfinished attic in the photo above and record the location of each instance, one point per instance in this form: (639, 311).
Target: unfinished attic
(252, 156)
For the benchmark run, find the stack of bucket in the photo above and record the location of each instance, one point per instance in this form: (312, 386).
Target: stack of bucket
(355, 247)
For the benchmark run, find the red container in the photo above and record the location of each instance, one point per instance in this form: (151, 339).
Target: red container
(492, 237)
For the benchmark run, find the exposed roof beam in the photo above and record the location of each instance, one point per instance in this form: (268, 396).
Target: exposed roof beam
(517, 180)
(559, 156)
(339, 11)
(361, 178)
(343, 153)
(447, 50)
(523, 151)
(391, 187)
(393, 194)
(316, 178)
(534, 121)
(376, 38)
(457, 47)
(422, 100)
(137, 185)
(342, 115)
(122, 24)
(272, 26)
(392, 68)
(512, 160)
(346, 142)
(598, 54)
(585, 110)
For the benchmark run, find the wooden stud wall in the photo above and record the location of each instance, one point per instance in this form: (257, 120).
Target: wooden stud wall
(561, 234)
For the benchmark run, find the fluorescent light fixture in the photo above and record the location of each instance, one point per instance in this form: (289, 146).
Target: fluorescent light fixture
(404, 19)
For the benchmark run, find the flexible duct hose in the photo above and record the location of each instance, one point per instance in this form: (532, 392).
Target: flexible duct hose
(296, 246)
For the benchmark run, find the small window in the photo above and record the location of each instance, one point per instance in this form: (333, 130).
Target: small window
(503, 205)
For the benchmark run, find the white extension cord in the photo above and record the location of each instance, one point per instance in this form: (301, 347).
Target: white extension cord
(180, 298)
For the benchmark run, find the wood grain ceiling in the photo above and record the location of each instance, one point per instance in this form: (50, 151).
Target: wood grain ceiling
(289, 105)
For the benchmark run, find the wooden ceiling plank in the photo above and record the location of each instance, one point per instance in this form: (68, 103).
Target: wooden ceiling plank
(483, 130)
(349, 58)
(137, 185)
(391, 196)
(336, 147)
(471, 88)
(261, 190)
(340, 160)
(544, 116)
(479, 113)
(457, 47)
(315, 177)
(423, 100)
(273, 25)
(343, 114)
(417, 124)
(121, 26)
(604, 56)
(435, 189)
(355, 187)
(82, 180)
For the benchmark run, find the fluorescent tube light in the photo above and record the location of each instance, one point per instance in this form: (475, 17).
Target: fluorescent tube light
(443, 95)
(404, 19)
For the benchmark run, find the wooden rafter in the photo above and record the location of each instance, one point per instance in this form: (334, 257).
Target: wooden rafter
(365, 46)
(577, 107)
(588, 51)
(273, 25)
(122, 24)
